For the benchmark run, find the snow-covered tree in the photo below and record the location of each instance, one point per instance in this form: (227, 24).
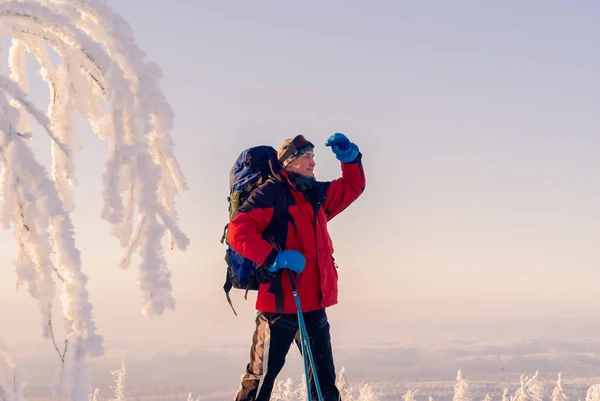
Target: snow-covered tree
(487, 397)
(343, 386)
(289, 392)
(593, 393)
(409, 395)
(521, 393)
(12, 390)
(558, 394)
(301, 389)
(277, 392)
(191, 398)
(530, 389)
(461, 388)
(365, 393)
(505, 396)
(104, 78)
(285, 390)
(96, 395)
(119, 387)
(534, 388)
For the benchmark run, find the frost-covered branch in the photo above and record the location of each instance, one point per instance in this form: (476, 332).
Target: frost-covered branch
(13, 391)
(12, 88)
(61, 354)
(102, 76)
(100, 61)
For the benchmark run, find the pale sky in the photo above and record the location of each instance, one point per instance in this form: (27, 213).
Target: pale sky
(479, 124)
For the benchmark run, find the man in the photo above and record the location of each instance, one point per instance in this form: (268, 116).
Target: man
(300, 244)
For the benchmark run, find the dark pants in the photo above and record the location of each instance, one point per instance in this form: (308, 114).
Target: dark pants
(270, 344)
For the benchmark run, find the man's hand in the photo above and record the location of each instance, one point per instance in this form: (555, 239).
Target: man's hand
(344, 150)
(288, 259)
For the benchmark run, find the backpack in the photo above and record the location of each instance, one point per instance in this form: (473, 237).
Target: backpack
(252, 168)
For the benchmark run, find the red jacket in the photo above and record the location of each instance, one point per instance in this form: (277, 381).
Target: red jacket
(318, 283)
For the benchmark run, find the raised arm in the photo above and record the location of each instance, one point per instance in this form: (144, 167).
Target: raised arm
(346, 189)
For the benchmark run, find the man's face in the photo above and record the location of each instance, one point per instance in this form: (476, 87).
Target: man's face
(304, 165)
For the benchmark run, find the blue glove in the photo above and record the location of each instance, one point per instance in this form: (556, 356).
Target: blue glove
(288, 259)
(344, 150)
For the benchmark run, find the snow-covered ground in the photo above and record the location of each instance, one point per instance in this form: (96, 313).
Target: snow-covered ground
(385, 371)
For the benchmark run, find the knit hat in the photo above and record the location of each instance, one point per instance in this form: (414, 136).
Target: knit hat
(292, 148)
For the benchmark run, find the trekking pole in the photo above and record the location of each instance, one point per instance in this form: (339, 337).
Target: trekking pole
(305, 342)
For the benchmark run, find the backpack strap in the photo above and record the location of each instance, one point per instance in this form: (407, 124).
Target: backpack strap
(224, 236)
(227, 287)
(276, 287)
(281, 213)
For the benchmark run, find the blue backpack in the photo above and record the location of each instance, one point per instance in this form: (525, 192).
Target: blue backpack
(252, 168)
